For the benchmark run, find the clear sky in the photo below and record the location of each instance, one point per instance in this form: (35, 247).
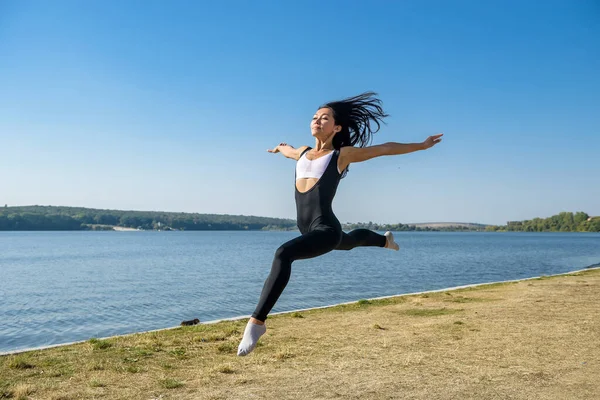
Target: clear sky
(171, 105)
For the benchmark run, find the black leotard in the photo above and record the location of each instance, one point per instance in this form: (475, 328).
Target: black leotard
(321, 233)
(314, 207)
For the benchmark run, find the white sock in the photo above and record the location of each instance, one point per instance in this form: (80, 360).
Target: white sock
(390, 241)
(251, 335)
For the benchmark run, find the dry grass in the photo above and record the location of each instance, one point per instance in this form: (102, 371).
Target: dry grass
(536, 339)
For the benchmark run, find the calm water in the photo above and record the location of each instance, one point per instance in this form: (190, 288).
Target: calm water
(57, 287)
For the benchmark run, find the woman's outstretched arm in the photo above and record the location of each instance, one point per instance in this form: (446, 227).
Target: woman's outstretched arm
(288, 151)
(351, 154)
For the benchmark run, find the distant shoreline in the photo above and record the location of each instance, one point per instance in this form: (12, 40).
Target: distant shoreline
(50, 218)
(433, 230)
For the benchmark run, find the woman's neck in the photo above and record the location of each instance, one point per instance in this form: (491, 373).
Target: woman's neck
(324, 146)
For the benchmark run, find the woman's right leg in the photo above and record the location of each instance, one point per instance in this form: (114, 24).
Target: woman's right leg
(309, 245)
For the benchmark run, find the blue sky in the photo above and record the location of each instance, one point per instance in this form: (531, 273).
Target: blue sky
(154, 105)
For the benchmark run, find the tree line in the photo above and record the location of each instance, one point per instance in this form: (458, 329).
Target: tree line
(76, 218)
(562, 222)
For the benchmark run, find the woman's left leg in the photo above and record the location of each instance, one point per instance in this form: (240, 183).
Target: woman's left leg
(361, 238)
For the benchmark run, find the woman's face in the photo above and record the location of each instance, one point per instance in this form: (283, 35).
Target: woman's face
(323, 125)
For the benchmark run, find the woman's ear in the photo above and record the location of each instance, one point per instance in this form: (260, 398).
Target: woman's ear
(337, 128)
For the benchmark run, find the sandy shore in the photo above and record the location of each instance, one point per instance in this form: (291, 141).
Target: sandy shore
(531, 339)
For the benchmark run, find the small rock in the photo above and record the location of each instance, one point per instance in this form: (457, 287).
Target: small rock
(195, 321)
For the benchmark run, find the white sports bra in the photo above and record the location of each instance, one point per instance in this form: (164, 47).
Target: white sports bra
(306, 168)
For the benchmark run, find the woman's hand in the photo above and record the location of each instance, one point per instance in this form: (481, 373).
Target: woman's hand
(432, 141)
(276, 149)
(288, 151)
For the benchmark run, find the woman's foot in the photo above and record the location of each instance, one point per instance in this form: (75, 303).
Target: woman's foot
(390, 243)
(254, 330)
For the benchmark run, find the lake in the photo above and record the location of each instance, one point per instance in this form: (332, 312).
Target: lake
(58, 287)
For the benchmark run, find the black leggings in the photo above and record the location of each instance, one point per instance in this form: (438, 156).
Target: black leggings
(309, 245)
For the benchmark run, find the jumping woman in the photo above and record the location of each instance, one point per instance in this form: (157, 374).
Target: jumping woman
(342, 132)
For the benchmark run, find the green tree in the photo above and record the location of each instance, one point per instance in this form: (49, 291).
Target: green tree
(580, 217)
(594, 225)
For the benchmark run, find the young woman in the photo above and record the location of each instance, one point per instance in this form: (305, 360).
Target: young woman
(342, 132)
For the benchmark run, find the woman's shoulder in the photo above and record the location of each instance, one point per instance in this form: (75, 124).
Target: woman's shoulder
(345, 150)
(303, 149)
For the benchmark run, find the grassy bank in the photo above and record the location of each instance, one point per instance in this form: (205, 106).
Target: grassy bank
(534, 339)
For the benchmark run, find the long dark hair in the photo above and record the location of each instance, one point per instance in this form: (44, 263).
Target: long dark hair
(355, 115)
